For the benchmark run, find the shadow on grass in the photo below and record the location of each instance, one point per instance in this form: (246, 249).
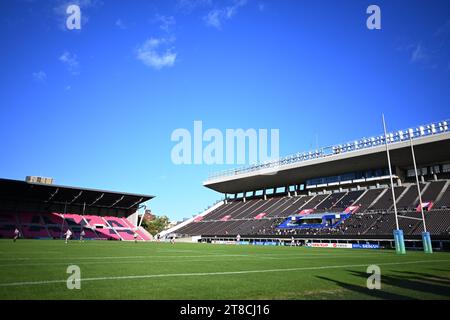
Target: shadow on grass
(362, 290)
(415, 281)
(429, 277)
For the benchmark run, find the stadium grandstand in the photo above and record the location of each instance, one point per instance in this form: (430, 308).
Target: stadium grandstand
(338, 194)
(40, 209)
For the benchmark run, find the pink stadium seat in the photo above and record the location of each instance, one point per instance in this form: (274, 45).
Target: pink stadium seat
(95, 220)
(143, 235)
(116, 222)
(56, 231)
(35, 231)
(30, 218)
(54, 225)
(128, 223)
(127, 234)
(107, 233)
(8, 218)
(7, 231)
(52, 218)
(75, 217)
(89, 234)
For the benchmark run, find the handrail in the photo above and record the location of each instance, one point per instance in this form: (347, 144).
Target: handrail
(364, 143)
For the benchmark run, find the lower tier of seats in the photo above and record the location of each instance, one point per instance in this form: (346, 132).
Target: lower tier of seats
(54, 226)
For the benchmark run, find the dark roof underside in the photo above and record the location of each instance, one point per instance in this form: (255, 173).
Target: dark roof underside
(56, 194)
(427, 152)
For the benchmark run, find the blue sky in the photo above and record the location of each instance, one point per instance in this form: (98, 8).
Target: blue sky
(96, 107)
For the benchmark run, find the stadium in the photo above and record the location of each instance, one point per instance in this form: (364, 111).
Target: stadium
(322, 214)
(223, 158)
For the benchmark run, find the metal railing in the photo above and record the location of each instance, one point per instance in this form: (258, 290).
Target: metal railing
(364, 143)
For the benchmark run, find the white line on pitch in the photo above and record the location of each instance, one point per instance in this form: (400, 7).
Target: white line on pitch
(131, 261)
(150, 256)
(166, 275)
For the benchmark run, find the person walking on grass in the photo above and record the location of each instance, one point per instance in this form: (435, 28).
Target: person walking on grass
(16, 235)
(82, 234)
(68, 234)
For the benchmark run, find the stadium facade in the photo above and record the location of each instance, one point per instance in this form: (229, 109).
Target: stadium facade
(339, 194)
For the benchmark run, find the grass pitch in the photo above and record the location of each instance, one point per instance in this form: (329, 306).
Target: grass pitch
(37, 269)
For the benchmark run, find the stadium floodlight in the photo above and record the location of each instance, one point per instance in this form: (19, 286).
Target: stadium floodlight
(400, 135)
(391, 137)
(445, 125)
(433, 128)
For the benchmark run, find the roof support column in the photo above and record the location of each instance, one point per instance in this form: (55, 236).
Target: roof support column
(264, 194)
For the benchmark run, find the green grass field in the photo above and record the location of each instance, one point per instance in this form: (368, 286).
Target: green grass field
(37, 269)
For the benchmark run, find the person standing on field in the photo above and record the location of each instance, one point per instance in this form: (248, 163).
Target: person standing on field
(16, 235)
(82, 234)
(68, 234)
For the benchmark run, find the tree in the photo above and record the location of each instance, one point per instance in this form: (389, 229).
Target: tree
(155, 225)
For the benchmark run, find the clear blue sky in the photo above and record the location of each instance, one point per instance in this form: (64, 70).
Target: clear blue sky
(96, 107)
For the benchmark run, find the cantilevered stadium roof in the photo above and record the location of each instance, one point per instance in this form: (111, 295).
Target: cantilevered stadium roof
(57, 194)
(429, 149)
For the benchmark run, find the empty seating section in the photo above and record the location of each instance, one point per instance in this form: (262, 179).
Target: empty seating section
(54, 225)
(126, 234)
(283, 208)
(143, 235)
(348, 200)
(385, 201)
(366, 200)
(444, 201)
(257, 216)
(52, 219)
(409, 197)
(330, 201)
(8, 224)
(95, 221)
(315, 201)
(115, 222)
(438, 222)
(302, 202)
(30, 218)
(432, 192)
